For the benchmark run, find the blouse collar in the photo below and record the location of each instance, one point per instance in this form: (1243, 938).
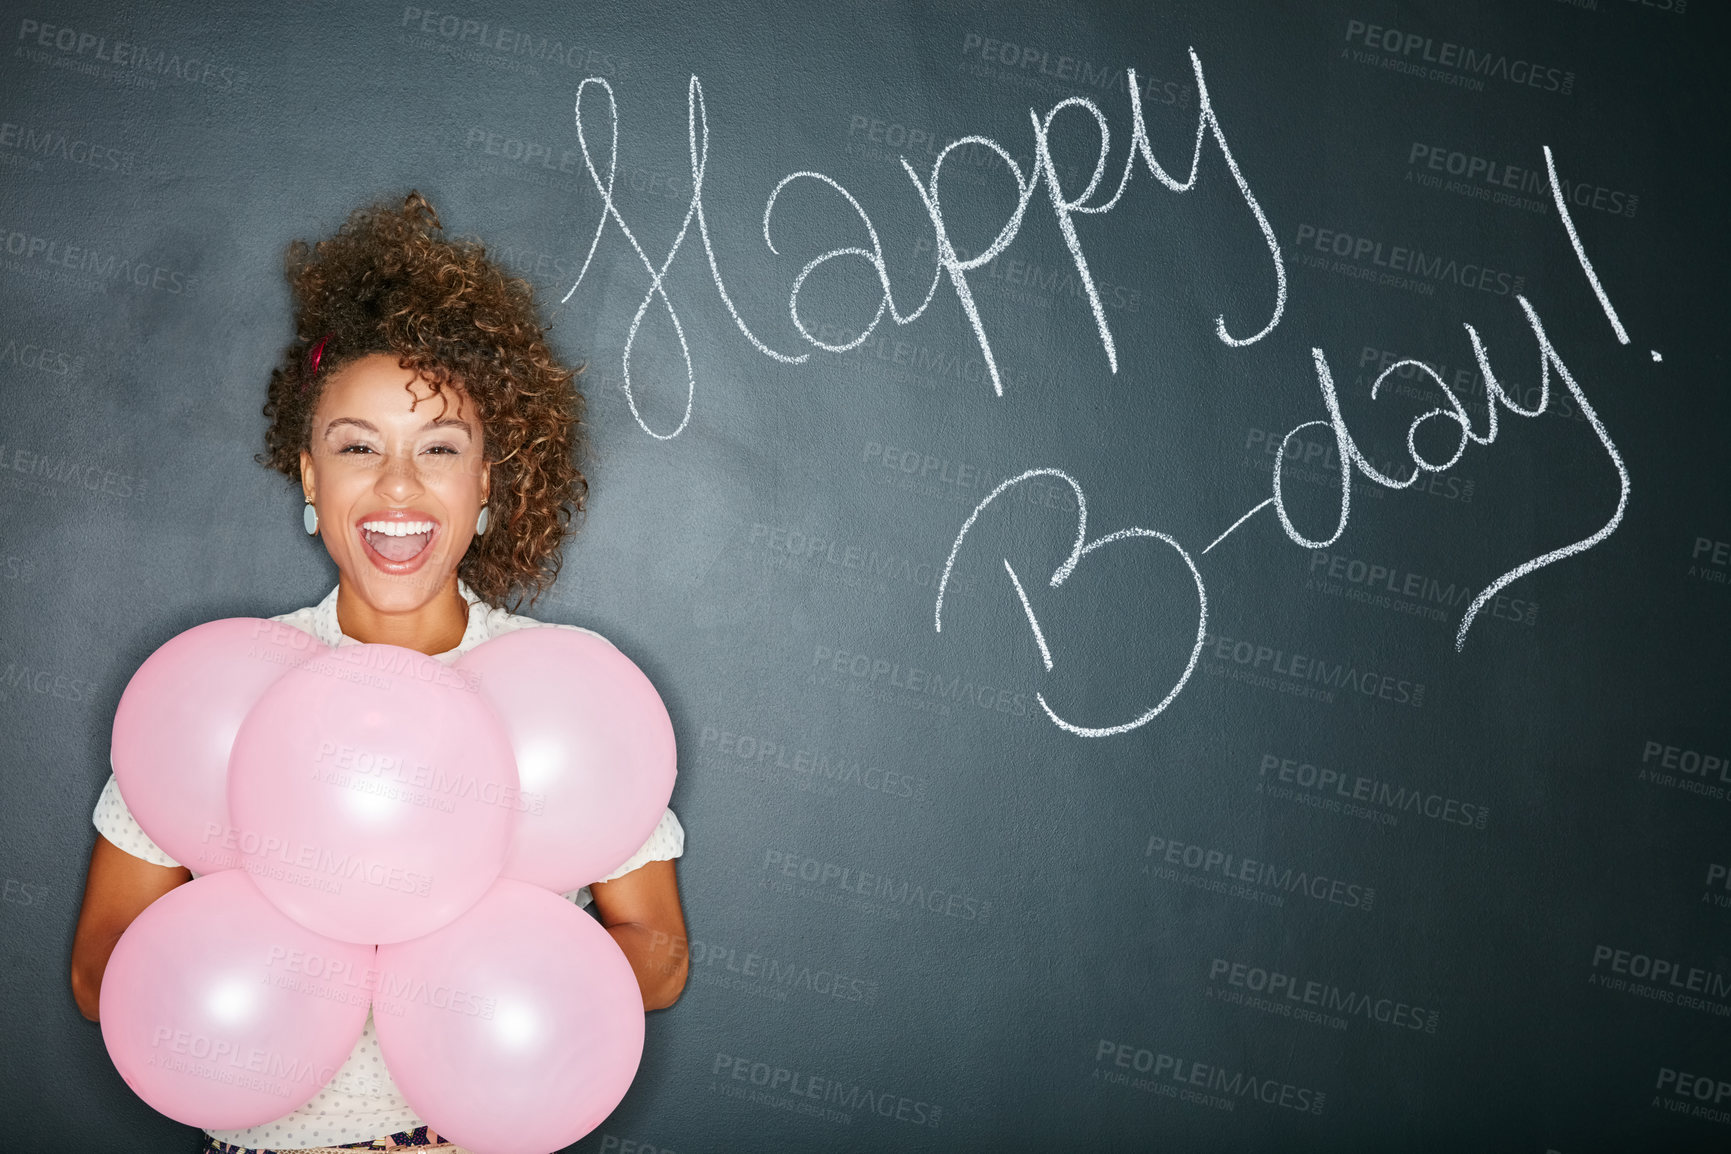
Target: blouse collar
(325, 628)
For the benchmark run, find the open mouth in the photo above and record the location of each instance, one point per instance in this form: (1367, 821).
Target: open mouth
(398, 542)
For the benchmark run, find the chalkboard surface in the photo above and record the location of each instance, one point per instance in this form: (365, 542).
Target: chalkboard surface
(1187, 544)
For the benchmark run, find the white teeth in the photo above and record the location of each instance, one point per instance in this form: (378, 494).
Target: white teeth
(397, 528)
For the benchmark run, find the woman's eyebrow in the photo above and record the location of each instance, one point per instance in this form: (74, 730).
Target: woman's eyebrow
(438, 423)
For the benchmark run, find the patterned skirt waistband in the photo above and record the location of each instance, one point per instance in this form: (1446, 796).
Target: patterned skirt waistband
(420, 1138)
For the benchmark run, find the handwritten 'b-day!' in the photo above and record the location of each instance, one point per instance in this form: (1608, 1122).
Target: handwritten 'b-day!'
(1066, 205)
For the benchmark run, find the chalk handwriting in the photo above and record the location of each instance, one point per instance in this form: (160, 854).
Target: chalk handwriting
(1207, 124)
(1580, 250)
(1079, 550)
(949, 263)
(1495, 395)
(697, 130)
(1065, 206)
(1352, 460)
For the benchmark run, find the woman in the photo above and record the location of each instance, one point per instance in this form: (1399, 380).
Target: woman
(435, 437)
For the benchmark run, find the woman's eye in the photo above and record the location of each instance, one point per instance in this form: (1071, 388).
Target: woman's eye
(357, 448)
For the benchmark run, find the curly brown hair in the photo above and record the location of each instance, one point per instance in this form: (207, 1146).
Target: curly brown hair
(389, 282)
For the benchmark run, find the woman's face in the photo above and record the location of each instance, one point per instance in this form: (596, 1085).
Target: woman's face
(397, 489)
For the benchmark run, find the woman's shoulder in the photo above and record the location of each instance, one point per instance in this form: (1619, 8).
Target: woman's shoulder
(320, 620)
(299, 618)
(502, 621)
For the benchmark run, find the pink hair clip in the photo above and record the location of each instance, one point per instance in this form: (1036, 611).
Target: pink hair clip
(314, 356)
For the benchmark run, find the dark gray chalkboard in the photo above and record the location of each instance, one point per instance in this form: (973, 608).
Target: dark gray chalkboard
(1353, 887)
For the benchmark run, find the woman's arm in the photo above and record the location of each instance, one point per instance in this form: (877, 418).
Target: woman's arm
(641, 911)
(116, 891)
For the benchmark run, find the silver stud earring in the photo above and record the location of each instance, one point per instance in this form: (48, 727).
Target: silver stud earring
(481, 522)
(310, 518)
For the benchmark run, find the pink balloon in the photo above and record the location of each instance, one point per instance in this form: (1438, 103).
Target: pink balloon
(595, 751)
(222, 1013)
(517, 1028)
(175, 726)
(373, 794)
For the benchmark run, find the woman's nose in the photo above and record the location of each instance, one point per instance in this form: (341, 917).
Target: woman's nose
(400, 469)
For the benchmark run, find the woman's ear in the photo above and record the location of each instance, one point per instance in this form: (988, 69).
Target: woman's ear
(309, 481)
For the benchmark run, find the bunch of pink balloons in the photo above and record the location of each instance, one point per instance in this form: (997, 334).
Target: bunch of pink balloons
(378, 830)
